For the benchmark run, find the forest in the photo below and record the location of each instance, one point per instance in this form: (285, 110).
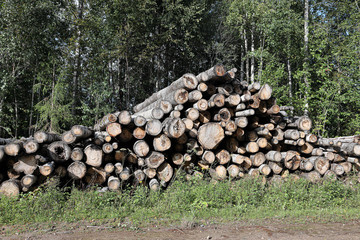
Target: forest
(67, 62)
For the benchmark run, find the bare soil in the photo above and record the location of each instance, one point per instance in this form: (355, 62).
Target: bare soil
(237, 230)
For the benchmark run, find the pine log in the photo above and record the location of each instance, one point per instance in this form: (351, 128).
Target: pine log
(44, 137)
(13, 148)
(161, 143)
(118, 168)
(81, 131)
(189, 124)
(59, 151)
(351, 149)
(107, 148)
(76, 170)
(154, 160)
(264, 169)
(153, 127)
(31, 146)
(95, 176)
(274, 156)
(94, 155)
(311, 138)
(125, 174)
(257, 159)
(192, 114)
(337, 169)
(113, 183)
(109, 168)
(306, 165)
(214, 73)
(124, 117)
(265, 92)
(141, 148)
(154, 185)
(139, 175)
(114, 129)
(233, 171)
(241, 122)
(26, 164)
(47, 169)
(239, 159)
(202, 87)
(173, 127)
(139, 121)
(276, 167)
(107, 119)
(178, 159)
(302, 123)
(210, 135)
(201, 105)
(153, 113)
(317, 152)
(150, 172)
(347, 166)
(321, 164)
(165, 172)
(77, 154)
(292, 134)
(233, 100)
(223, 156)
(252, 147)
(28, 180)
(274, 109)
(195, 95)
(10, 188)
(307, 148)
(245, 113)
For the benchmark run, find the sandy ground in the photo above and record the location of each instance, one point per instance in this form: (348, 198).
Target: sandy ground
(237, 230)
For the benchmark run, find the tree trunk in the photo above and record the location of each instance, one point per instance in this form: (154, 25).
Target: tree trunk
(77, 170)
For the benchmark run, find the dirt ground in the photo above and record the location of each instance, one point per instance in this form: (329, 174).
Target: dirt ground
(237, 230)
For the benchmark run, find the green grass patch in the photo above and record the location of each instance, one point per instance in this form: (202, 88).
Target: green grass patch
(189, 201)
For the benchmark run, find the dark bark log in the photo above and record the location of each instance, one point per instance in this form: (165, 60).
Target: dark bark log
(43, 137)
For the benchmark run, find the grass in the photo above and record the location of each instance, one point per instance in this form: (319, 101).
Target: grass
(189, 201)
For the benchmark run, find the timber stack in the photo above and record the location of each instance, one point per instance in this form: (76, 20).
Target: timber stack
(208, 125)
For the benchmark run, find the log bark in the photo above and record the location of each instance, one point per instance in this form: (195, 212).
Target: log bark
(153, 113)
(352, 149)
(273, 156)
(245, 113)
(95, 176)
(233, 171)
(257, 159)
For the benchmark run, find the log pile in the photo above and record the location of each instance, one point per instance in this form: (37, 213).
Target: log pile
(211, 125)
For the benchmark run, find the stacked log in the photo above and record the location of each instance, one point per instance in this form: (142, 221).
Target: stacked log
(210, 124)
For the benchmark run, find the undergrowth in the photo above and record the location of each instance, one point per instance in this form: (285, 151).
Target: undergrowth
(195, 200)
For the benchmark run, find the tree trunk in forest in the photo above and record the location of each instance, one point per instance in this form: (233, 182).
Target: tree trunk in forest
(306, 60)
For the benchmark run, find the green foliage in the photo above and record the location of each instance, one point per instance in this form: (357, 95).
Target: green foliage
(194, 200)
